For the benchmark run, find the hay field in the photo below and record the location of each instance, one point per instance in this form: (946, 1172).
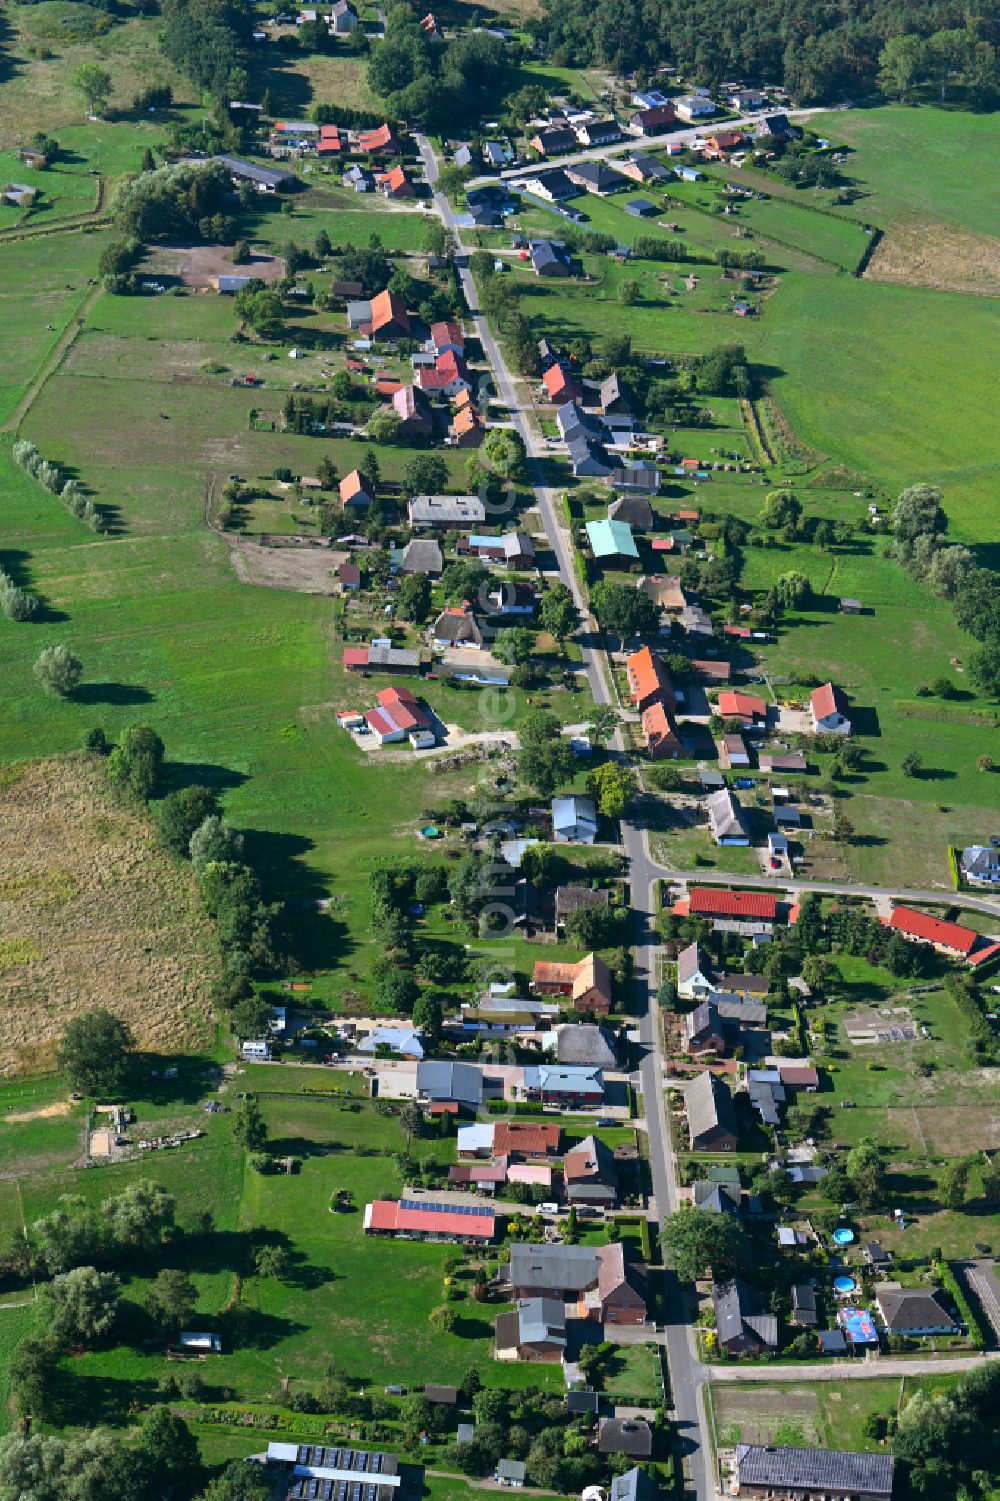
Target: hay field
(921, 252)
(92, 913)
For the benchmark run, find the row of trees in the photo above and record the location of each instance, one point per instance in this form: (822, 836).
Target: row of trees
(919, 527)
(68, 489)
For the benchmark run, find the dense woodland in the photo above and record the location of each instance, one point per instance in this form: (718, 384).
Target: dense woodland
(819, 51)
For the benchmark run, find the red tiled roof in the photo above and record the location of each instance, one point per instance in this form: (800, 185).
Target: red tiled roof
(716, 901)
(657, 726)
(743, 705)
(452, 365)
(387, 1214)
(648, 677)
(375, 140)
(387, 385)
(400, 708)
(447, 332)
(555, 380)
(355, 656)
(388, 308)
(951, 935)
(534, 1140)
(827, 700)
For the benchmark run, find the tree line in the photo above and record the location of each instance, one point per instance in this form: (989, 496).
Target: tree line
(821, 53)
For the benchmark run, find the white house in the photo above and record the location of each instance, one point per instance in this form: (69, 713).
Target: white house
(828, 709)
(693, 107)
(257, 1048)
(694, 974)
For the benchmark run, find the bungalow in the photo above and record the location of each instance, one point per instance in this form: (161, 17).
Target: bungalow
(642, 168)
(589, 1174)
(390, 319)
(722, 141)
(587, 983)
(743, 100)
(560, 386)
(414, 412)
(446, 511)
(612, 542)
(549, 257)
(744, 706)
(783, 761)
(597, 178)
(641, 208)
(726, 819)
(349, 577)
(652, 121)
(648, 680)
(811, 1474)
(717, 1198)
(828, 711)
(459, 1083)
(574, 820)
(555, 141)
(710, 1113)
(740, 1320)
(422, 555)
(693, 107)
(947, 937)
(634, 1485)
(402, 1041)
(980, 864)
(777, 127)
(356, 492)
(663, 741)
(564, 1084)
(410, 1219)
(598, 133)
(535, 1330)
(553, 186)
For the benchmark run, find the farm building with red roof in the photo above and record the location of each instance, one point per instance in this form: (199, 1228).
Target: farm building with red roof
(417, 1220)
(745, 706)
(949, 937)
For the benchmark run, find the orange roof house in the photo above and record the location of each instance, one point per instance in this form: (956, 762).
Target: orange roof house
(743, 706)
(662, 739)
(355, 491)
(529, 1138)
(952, 937)
(649, 680)
(587, 983)
(559, 386)
(390, 319)
(396, 184)
(379, 140)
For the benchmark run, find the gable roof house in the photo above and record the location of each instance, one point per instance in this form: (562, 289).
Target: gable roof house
(446, 511)
(587, 983)
(828, 711)
(343, 18)
(811, 1474)
(643, 168)
(648, 122)
(648, 680)
(711, 1115)
(563, 1084)
(575, 422)
(553, 186)
(740, 1320)
(467, 428)
(634, 1485)
(981, 864)
(583, 1042)
(605, 1286)
(611, 542)
(725, 818)
(390, 320)
(588, 458)
(414, 412)
(703, 1030)
(947, 937)
(744, 706)
(376, 142)
(694, 973)
(560, 386)
(535, 1330)
(804, 1305)
(461, 1082)
(356, 492)
(717, 1198)
(396, 184)
(589, 1174)
(598, 132)
(578, 899)
(663, 742)
(413, 1219)
(555, 141)
(718, 901)
(639, 477)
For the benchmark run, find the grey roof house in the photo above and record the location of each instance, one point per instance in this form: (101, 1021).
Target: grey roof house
(710, 1113)
(740, 1319)
(422, 555)
(451, 1081)
(912, 1311)
(830, 1474)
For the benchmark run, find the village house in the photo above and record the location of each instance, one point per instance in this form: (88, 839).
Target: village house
(581, 1042)
(560, 386)
(726, 820)
(694, 972)
(396, 184)
(630, 1436)
(378, 142)
(446, 511)
(356, 492)
(980, 864)
(549, 257)
(563, 1084)
(768, 1471)
(389, 317)
(570, 899)
(612, 543)
(422, 555)
(467, 428)
(703, 1031)
(414, 412)
(740, 1320)
(663, 742)
(586, 983)
(951, 938)
(828, 711)
(606, 1287)
(574, 820)
(400, 717)
(914, 1312)
(589, 1174)
(711, 1115)
(648, 680)
(716, 901)
(732, 751)
(552, 186)
(556, 140)
(639, 477)
(343, 18)
(535, 1330)
(635, 511)
(596, 178)
(694, 107)
(653, 121)
(746, 707)
(644, 169)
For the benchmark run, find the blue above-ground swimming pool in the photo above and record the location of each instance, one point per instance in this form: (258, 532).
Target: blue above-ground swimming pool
(843, 1236)
(844, 1285)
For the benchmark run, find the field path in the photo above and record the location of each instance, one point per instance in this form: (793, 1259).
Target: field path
(55, 357)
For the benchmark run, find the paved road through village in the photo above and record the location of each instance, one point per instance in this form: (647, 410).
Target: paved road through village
(687, 1374)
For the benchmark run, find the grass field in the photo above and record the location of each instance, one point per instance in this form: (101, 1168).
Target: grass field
(829, 1413)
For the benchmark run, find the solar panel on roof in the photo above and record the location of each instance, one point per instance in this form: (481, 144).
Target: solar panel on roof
(425, 1207)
